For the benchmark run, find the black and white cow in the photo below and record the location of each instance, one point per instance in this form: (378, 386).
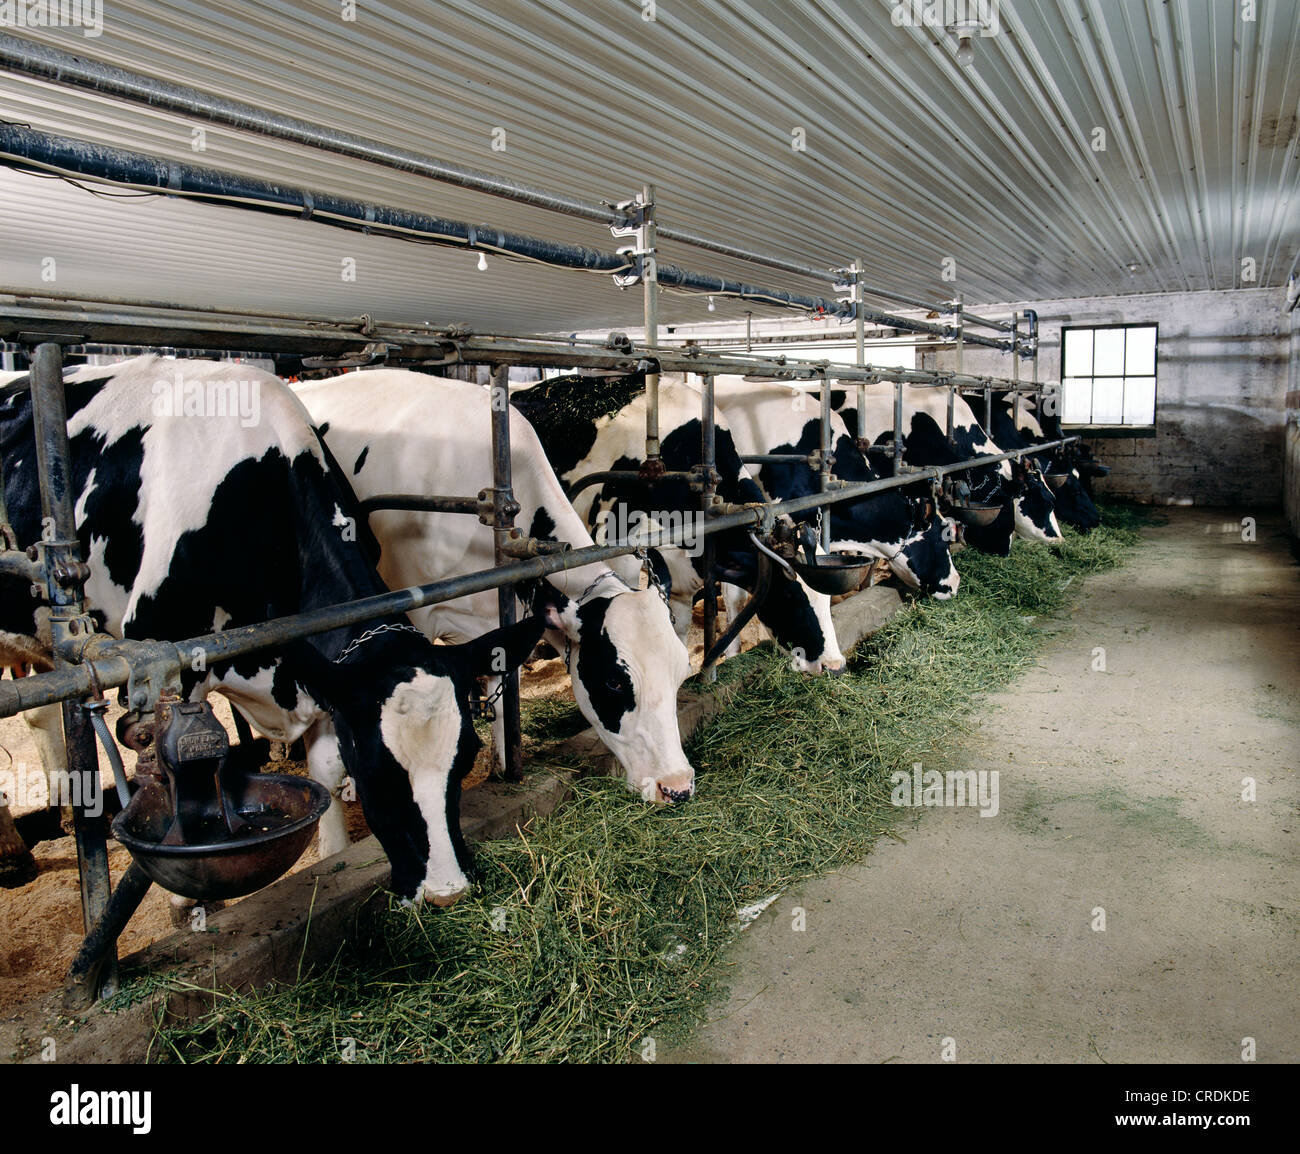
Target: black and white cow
(597, 424)
(205, 501)
(907, 532)
(1073, 505)
(1028, 503)
(404, 432)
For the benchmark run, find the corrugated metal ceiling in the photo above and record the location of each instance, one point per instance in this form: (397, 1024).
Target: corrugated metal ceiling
(910, 158)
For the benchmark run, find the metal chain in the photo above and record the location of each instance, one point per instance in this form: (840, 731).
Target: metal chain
(369, 633)
(643, 554)
(484, 708)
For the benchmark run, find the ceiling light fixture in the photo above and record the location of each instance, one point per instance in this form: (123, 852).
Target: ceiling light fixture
(966, 30)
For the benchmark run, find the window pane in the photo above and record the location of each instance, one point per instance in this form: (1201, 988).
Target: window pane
(1076, 400)
(1078, 352)
(1140, 401)
(1140, 358)
(1108, 352)
(1107, 406)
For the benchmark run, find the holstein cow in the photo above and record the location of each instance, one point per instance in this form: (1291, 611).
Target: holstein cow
(205, 501)
(405, 432)
(1018, 486)
(594, 424)
(1073, 505)
(908, 532)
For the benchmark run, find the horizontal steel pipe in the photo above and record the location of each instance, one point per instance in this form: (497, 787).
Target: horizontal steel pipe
(137, 170)
(416, 504)
(47, 63)
(119, 322)
(111, 666)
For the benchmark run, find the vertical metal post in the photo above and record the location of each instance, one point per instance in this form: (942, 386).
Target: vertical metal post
(952, 390)
(961, 334)
(64, 579)
(827, 459)
(898, 428)
(749, 331)
(650, 284)
(860, 334)
(502, 526)
(1015, 369)
(708, 455)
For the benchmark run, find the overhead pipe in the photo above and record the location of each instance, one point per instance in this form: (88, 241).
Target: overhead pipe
(48, 63)
(85, 158)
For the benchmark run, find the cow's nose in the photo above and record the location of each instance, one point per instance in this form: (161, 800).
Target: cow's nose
(834, 668)
(673, 796)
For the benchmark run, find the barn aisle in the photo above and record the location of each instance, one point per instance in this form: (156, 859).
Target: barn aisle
(1120, 790)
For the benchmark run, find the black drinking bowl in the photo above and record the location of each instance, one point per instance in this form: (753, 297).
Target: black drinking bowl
(834, 573)
(975, 514)
(281, 811)
(1056, 480)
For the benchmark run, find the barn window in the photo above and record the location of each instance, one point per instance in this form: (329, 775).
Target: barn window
(1108, 375)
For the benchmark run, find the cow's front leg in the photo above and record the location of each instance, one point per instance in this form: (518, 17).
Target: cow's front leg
(325, 765)
(492, 684)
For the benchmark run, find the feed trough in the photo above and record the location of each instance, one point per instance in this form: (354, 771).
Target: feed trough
(206, 829)
(834, 573)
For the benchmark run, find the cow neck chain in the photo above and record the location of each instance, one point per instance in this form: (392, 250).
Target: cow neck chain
(658, 586)
(375, 632)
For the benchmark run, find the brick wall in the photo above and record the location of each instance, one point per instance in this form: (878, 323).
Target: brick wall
(1221, 382)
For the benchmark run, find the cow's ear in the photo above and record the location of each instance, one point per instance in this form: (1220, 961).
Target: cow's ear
(501, 650)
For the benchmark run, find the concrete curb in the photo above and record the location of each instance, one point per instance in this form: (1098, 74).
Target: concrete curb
(297, 923)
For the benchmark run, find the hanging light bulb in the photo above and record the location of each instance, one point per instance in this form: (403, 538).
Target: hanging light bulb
(712, 306)
(482, 262)
(965, 52)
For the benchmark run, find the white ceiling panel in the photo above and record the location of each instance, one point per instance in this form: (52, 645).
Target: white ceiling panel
(910, 159)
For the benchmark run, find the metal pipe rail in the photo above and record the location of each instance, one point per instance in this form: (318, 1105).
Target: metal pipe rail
(108, 664)
(117, 322)
(47, 63)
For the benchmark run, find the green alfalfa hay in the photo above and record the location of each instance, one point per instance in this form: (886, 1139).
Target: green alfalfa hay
(596, 931)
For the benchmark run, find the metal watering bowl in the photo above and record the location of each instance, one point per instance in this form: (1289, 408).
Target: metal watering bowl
(834, 573)
(1056, 480)
(204, 827)
(280, 813)
(975, 514)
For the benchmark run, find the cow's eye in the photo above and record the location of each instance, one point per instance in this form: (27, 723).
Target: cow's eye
(615, 683)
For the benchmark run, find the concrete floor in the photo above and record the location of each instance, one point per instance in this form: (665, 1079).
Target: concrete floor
(1119, 790)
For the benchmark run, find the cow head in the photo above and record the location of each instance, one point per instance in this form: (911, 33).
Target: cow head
(925, 560)
(401, 712)
(626, 663)
(797, 616)
(1073, 504)
(1034, 504)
